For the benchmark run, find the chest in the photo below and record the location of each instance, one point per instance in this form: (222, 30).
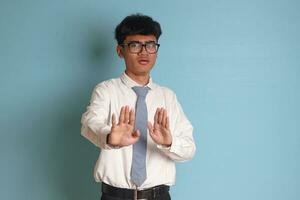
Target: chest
(153, 100)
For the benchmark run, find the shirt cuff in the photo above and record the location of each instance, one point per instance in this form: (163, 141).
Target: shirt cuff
(163, 147)
(172, 148)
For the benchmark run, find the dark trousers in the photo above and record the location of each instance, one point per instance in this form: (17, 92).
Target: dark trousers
(166, 196)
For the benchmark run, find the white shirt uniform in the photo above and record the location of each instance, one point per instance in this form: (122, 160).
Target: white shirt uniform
(114, 164)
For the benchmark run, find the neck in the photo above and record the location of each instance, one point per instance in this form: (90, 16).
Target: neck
(140, 79)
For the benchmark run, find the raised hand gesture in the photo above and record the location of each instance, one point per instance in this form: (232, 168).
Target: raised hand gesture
(122, 133)
(160, 130)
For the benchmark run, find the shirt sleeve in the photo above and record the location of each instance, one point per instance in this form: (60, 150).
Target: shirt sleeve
(183, 146)
(95, 120)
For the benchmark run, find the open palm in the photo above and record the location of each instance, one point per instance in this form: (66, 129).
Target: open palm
(122, 133)
(160, 130)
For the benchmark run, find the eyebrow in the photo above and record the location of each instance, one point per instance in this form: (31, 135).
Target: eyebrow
(141, 42)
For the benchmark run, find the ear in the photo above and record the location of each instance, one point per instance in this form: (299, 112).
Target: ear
(120, 51)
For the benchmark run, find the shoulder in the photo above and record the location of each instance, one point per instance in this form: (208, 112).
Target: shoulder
(166, 91)
(107, 84)
(106, 88)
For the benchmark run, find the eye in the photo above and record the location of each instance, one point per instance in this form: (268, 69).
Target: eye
(151, 45)
(134, 45)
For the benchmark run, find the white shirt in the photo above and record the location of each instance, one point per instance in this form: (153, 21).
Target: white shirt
(114, 164)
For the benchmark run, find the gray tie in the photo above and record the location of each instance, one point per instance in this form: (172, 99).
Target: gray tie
(138, 168)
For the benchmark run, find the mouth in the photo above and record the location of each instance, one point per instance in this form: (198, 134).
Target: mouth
(143, 61)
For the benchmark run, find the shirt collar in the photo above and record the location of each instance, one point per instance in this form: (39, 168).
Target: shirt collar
(131, 83)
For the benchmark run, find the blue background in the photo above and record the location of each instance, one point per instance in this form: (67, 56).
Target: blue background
(235, 67)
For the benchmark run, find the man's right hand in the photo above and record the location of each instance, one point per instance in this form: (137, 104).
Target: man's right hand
(122, 133)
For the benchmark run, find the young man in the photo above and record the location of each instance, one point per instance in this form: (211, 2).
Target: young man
(139, 125)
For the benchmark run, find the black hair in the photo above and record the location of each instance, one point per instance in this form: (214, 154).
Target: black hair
(137, 24)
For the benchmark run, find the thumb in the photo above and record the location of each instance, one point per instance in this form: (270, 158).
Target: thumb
(136, 134)
(150, 127)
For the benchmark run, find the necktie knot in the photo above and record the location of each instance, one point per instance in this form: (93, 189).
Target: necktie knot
(140, 91)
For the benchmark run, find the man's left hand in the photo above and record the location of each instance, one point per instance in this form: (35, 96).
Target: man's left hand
(160, 130)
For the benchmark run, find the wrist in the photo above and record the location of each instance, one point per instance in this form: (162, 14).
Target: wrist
(168, 144)
(107, 139)
(109, 143)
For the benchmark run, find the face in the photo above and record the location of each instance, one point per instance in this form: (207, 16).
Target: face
(137, 64)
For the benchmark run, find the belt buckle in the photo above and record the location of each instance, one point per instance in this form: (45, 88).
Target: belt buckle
(135, 196)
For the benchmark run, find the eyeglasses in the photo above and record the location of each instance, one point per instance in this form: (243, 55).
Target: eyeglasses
(137, 47)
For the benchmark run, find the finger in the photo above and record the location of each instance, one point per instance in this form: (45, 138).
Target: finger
(122, 113)
(160, 116)
(134, 140)
(168, 123)
(156, 116)
(153, 136)
(131, 117)
(135, 136)
(164, 120)
(150, 127)
(113, 119)
(136, 133)
(126, 118)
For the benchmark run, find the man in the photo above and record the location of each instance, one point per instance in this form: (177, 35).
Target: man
(139, 125)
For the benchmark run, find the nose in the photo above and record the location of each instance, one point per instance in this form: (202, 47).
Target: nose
(143, 49)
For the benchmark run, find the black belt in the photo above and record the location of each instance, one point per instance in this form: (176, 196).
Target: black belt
(150, 193)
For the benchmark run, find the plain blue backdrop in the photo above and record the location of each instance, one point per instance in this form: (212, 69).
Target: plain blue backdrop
(235, 66)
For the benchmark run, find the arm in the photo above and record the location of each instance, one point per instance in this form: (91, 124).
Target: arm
(175, 137)
(95, 120)
(183, 146)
